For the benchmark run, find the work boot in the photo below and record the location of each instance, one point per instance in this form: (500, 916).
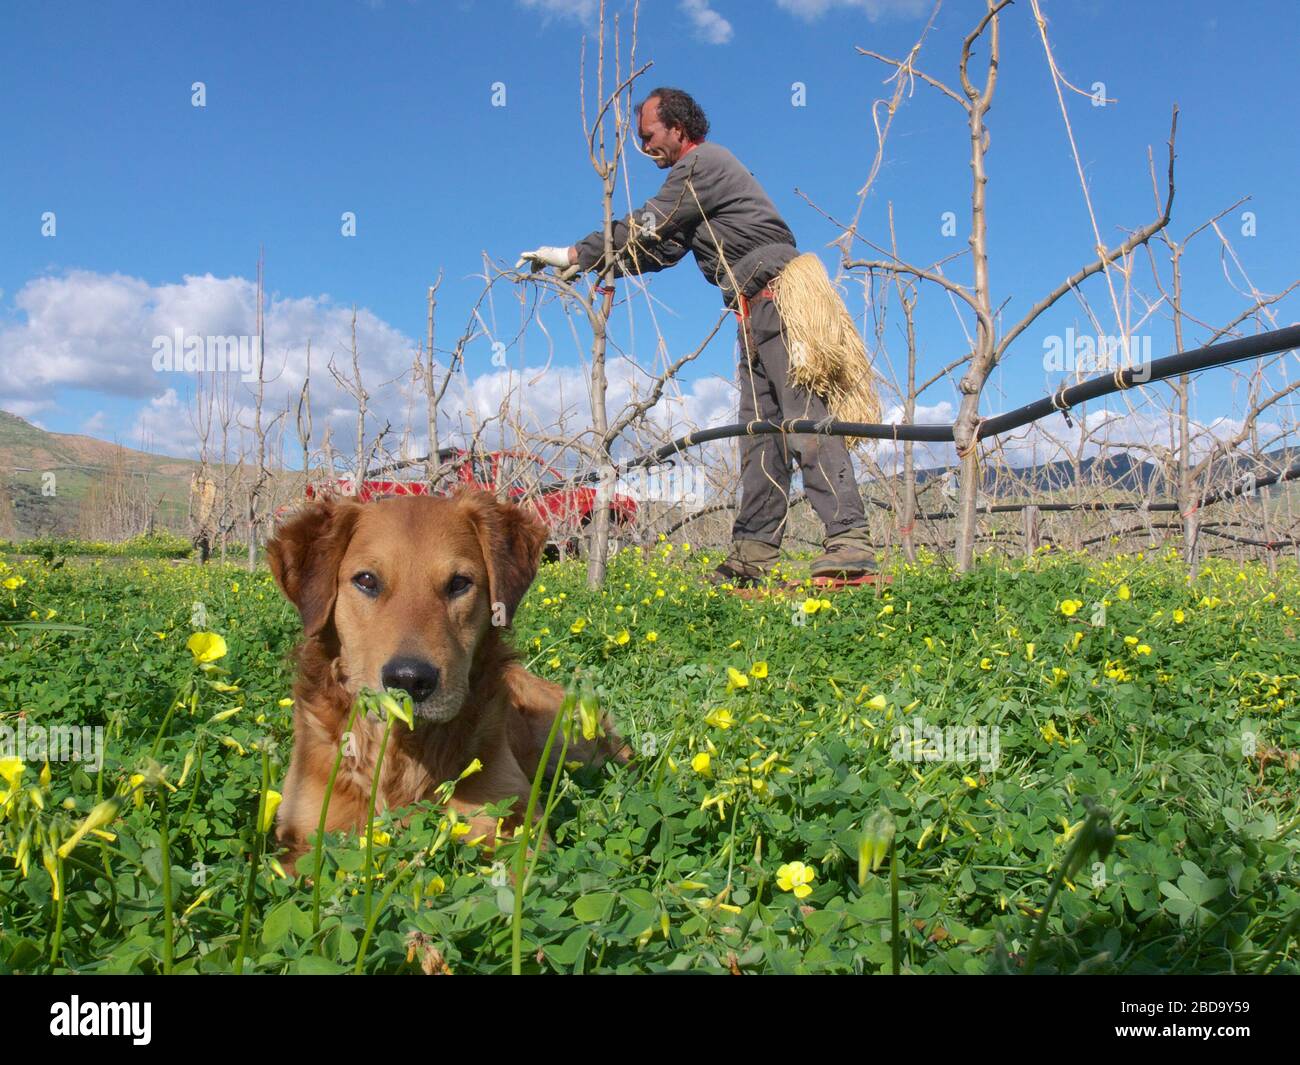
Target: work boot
(845, 556)
(749, 562)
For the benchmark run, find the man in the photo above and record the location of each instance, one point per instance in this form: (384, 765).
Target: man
(711, 205)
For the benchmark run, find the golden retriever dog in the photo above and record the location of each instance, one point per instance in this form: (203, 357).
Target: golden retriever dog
(413, 593)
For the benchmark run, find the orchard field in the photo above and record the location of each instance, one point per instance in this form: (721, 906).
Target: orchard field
(1054, 764)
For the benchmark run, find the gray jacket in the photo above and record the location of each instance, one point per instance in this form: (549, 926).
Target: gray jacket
(712, 206)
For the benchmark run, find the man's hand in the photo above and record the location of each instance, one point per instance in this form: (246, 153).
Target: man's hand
(546, 256)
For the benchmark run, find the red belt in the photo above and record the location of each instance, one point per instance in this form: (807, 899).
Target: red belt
(742, 312)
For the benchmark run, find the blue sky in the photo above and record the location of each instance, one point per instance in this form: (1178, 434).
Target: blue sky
(385, 110)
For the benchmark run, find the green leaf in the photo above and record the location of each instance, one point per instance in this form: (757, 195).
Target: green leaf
(594, 907)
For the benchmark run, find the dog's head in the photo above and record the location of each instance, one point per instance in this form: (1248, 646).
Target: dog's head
(403, 591)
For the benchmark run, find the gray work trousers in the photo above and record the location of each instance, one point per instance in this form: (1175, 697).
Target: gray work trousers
(767, 394)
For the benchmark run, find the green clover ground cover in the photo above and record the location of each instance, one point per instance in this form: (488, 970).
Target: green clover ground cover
(769, 763)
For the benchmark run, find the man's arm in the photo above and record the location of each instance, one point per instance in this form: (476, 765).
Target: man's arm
(653, 237)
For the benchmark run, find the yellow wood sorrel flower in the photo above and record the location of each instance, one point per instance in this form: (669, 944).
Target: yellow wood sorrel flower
(11, 769)
(759, 670)
(720, 718)
(1179, 617)
(578, 626)
(100, 816)
(700, 763)
(272, 804)
(206, 646)
(1070, 607)
(736, 679)
(795, 877)
(651, 637)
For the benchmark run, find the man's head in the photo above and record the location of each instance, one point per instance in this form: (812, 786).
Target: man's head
(669, 121)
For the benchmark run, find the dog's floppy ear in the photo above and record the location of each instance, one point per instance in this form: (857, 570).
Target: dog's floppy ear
(511, 540)
(305, 555)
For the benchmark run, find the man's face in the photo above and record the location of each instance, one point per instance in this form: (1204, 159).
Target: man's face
(663, 145)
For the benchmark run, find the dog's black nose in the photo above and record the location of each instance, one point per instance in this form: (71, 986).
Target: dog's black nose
(413, 675)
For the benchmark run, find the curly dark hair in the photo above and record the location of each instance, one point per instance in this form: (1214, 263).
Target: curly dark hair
(679, 109)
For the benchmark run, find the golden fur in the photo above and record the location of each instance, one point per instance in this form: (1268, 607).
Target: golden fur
(420, 550)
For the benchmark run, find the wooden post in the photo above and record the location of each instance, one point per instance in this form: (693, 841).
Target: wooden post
(1030, 516)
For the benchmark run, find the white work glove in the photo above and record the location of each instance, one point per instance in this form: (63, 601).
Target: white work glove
(546, 256)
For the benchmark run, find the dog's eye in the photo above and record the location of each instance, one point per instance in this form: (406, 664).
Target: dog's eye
(458, 584)
(367, 582)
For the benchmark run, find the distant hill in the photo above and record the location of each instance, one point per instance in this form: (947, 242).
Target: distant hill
(29, 455)
(1118, 472)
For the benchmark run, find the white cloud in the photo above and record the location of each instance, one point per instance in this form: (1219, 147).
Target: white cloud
(875, 10)
(578, 10)
(710, 27)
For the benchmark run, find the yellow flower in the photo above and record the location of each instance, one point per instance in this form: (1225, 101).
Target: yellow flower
(554, 663)
(1179, 617)
(273, 798)
(795, 876)
(651, 637)
(720, 718)
(100, 816)
(1078, 639)
(736, 679)
(622, 637)
(811, 606)
(474, 767)
(1130, 640)
(1058, 674)
(206, 646)
(1070, 607)
(459, 830)
(383, 839)
(1029, 651)
(14, 583)
(1123, 592)
(1143, 649)
(578, 626)
(758, 669)
(1050, 734)
(286, 702)
(970, 782)
(11, 769)
(985, 663)
(700, 763)
(1210, 601)
(876, 702)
